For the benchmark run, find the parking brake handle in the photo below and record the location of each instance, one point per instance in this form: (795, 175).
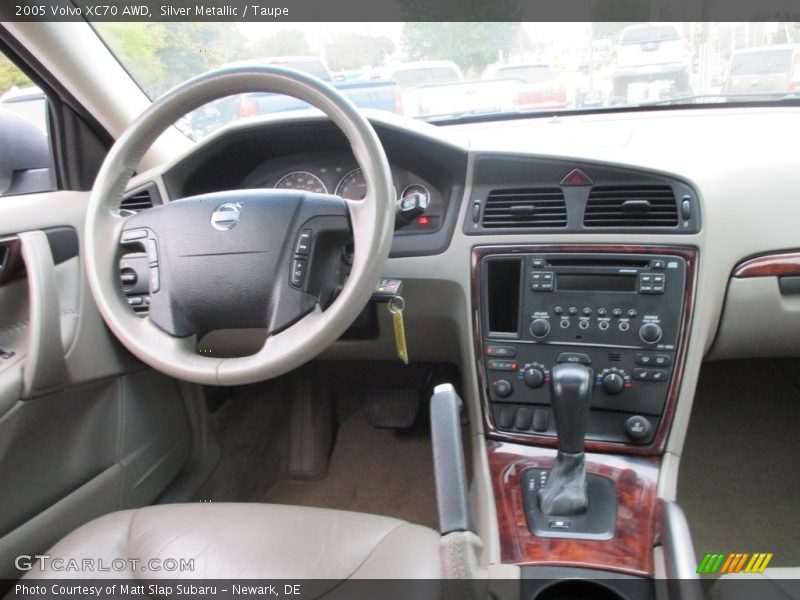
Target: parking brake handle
(448, 461)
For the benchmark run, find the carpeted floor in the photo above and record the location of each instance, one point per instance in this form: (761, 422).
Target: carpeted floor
(739, 480)
(372, 470)
(380, 471)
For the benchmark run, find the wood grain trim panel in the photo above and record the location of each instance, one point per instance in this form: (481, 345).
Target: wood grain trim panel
(631, 549)
(786, 264)
(11, 263)
(658, 444)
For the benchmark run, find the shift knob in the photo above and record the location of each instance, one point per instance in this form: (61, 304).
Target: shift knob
(571, 387)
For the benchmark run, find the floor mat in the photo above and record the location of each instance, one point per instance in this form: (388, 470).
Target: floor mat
(378, 471)
(739, 480)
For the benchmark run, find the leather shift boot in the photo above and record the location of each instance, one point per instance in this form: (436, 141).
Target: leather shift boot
(565, 492)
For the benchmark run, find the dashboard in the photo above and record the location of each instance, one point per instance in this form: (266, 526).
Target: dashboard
(537, 189)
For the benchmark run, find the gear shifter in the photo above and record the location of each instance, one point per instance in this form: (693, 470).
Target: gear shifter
(565, 492)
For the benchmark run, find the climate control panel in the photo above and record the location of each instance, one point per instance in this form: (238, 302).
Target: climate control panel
(618, 314)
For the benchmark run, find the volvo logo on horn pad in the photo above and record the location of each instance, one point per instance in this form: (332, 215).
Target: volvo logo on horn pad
(226, 216)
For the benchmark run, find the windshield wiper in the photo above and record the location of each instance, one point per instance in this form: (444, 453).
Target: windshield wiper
(725, 97)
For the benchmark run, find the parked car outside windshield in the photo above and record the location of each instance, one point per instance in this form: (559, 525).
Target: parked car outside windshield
(455, 71)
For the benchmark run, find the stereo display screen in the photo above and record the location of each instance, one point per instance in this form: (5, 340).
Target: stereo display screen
(569, 282)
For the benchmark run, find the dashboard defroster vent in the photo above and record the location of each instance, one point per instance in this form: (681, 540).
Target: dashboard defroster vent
(631, 206)
(525, 208)
(141, 198)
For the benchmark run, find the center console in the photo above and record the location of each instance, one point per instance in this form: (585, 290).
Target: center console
(621, 311)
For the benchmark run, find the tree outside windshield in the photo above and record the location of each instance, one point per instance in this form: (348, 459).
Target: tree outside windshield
(444, 71)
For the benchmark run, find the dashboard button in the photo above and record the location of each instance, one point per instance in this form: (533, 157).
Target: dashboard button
(662, 360)
(496, 364)
(644, 359)
(572, 310)
(638, 428)
(603, 325)
(524, 419)
(602, 312)
(657, 264)
(506, 418)
(504, 351)
(617, 312)
(558, 310)
(574, 357)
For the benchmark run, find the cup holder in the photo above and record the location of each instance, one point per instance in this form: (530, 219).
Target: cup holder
(577, 589)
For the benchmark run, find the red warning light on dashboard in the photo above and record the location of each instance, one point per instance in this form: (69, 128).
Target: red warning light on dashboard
(577, 177)
(424, 221)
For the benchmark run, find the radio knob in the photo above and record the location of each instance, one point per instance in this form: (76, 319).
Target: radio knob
(534, 377)
(650, 333)
(613, 383)
(540, 328)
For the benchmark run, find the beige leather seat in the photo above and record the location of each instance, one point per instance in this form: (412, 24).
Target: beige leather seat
(252, 541)
(779, 583)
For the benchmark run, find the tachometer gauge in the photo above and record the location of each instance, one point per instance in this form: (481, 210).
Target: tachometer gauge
(302, 180)
(352, 186)
(417, 189)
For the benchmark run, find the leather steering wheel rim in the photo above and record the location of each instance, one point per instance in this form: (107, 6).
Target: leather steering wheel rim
(372, 223)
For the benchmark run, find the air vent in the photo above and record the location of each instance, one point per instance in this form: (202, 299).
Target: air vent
(631, 206)
(525, 208)
(141, 198)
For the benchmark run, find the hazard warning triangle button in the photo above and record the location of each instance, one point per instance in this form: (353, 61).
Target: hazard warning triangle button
(577, 177)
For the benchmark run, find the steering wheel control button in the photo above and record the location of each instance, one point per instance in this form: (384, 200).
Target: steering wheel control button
(133, 235)
(155, 280)
(638, 428)
(298, 272)
(502, 388)
(540, 328)
(152, 251)
(501, 351)
(303, 247)
(574, 357)
(495, 364)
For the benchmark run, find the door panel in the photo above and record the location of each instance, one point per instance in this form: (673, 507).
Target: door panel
(85, 428)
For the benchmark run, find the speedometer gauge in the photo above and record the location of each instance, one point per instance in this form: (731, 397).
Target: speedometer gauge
(352, 186)
(302, 180)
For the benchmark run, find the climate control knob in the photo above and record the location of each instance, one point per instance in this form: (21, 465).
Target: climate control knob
(650, 333)
(613, 383)
(534, 377)
(540, 328)
(502, 388)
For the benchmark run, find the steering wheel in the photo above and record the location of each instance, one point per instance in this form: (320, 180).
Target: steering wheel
(265, 258)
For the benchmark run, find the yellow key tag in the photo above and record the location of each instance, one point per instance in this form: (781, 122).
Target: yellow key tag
(396, 306)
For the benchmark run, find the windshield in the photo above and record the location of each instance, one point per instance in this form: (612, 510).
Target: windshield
(446, 71)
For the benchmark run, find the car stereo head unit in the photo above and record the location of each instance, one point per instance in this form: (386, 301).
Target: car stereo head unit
(620, 314)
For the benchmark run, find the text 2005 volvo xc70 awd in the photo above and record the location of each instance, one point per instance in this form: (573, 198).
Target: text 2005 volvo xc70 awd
(496, 351)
